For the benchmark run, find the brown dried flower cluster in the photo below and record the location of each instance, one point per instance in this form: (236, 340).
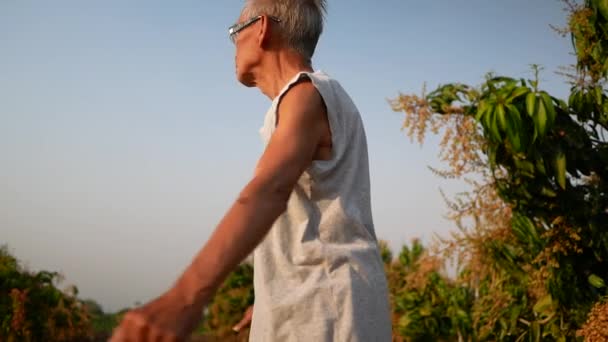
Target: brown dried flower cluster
(596, 327)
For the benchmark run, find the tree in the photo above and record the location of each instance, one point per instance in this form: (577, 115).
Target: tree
(92, 307)
(426, 304)
(533, 240)
(33, 309)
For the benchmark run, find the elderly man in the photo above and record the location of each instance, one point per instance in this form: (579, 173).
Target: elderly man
(318, 274)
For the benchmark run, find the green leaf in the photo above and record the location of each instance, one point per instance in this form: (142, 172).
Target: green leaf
(560, 169)
(508, 81)
(543, 304)
(519, 230)
(588, 103)
(596, 281)
(481, 110)
(575, 100)
(500, 114)
(547, 192)
(485, 119)
(404, 321)
(598, 95)
(492, 152)
(579, 101)
(531, 103)
(528, 226)
(548, 102)
(525, 167)
(603, 119)
(488, 122)
(513, 319)
(535, 327)
(514, 130)
(540, 119)
(494, 125)
(602, 6)
(517, 92)
(426, 310)
(540, 165)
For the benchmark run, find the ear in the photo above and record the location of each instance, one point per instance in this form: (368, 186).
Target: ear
(264, 31)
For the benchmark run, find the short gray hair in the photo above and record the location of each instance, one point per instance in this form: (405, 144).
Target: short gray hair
(301, 21)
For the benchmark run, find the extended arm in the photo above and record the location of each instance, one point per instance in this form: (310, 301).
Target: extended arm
(302, 122)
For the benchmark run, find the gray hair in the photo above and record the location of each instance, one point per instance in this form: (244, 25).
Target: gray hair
(301, 21)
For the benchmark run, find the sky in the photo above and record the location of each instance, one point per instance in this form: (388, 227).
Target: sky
(125, 137)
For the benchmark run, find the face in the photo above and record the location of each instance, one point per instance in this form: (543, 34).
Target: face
(247, 54)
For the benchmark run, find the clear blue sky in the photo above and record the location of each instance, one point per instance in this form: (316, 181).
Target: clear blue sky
(125, 136)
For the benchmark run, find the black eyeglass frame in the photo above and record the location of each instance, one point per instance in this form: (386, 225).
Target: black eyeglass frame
(236, 28)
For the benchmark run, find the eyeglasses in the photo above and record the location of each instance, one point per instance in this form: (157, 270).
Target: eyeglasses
(236, 28)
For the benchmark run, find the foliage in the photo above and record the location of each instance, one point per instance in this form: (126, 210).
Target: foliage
(230, 303)
(532, 244)
(426, 304)
(33, 309)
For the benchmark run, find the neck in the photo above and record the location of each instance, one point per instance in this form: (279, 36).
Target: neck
(279, 68)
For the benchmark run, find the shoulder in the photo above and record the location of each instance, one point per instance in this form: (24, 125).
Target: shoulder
(302, 99)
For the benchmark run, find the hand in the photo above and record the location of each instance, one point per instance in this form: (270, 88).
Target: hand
(245, 321)
(166, 319)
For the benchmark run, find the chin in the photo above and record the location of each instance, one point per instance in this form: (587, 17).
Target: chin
(246, 79)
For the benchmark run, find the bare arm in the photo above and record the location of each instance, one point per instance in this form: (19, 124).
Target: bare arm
(289, 152)
(173, 316)
(303, 121)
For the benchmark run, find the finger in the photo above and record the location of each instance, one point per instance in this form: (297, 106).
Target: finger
(132, 328)
(148, 332)
(157, 335)
(239, 326)
(117, 336)
(249, 313)
(243, 323)
(124, 332)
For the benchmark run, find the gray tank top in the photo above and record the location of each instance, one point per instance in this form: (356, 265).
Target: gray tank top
(318, 274)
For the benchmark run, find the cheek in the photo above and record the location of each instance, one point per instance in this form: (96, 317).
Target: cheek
(241, 60)
(238, 58)
(236, 63)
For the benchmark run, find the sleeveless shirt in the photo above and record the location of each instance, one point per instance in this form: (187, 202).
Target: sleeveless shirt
(318, 274)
